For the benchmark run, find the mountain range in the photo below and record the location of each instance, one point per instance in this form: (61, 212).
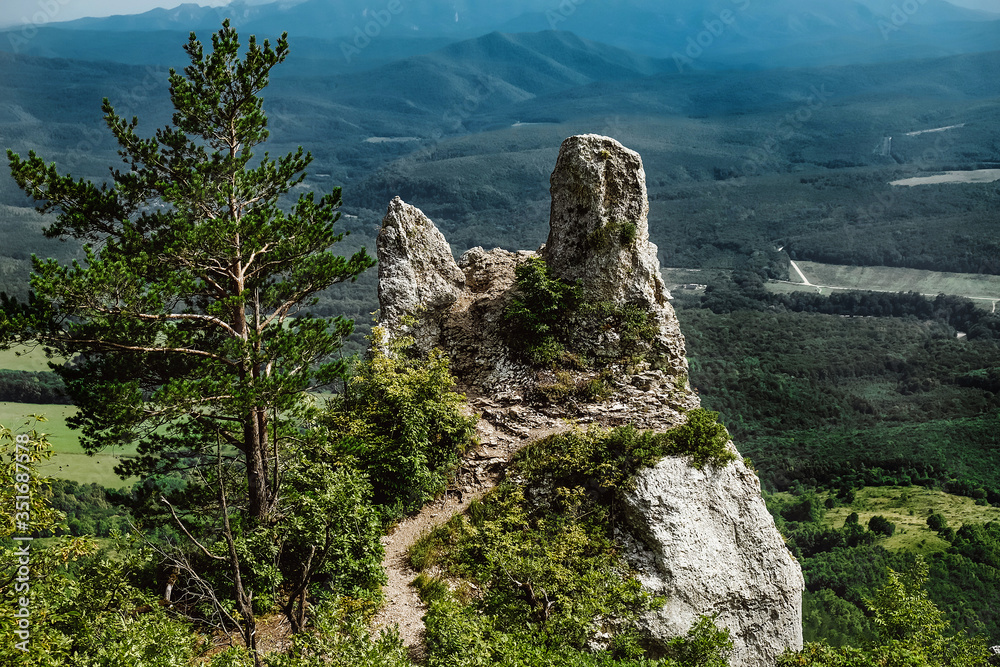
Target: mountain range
(346, 34)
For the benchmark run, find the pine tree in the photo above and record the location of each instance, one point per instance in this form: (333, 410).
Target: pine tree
(185, 322)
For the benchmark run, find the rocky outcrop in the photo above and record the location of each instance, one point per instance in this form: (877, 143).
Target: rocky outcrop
(417, 275)
(705, 541)
(598, 228)
(703, 538)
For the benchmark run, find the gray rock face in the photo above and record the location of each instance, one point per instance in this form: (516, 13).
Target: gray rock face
(417, 274)
(705, 540)
(599, 231)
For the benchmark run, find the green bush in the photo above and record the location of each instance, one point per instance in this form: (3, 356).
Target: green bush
(625, 233)
(614, 457)
(909, 630)
(340, 637)
(535, 566)
(546, 315)
(544, 583)
(882, 526)
(536, 315)
(403, 424)
(88, 610)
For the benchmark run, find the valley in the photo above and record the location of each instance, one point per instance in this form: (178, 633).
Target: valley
(824, 192)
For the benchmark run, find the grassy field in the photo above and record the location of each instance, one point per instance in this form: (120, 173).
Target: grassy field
(909, 508)
(24, 359)
(70, 461)
(984, 288)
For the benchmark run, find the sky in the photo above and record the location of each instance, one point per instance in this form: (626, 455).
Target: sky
(14, 12)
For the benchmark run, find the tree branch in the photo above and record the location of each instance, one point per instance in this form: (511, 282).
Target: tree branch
(186, 532)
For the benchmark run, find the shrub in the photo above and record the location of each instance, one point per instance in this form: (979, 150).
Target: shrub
(340, 638)
(881, 525)
(545, 582)
(937, 522)
(546, 315)
(535, 316)
(614, 457)
(400, 419)
(910, 630)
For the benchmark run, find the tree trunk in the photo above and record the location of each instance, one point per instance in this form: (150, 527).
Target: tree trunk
(255, 442)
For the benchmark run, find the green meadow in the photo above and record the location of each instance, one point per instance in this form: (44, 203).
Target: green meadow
(908, 508)
(69, 461)
(984, 289)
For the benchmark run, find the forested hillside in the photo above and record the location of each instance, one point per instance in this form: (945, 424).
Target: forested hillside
(872, 424)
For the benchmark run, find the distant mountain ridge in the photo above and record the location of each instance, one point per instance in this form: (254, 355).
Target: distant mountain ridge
(714, 34)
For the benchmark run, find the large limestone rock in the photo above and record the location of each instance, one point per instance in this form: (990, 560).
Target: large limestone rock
(705, 540)
(599, 232)
(417, 274)
(701, 537)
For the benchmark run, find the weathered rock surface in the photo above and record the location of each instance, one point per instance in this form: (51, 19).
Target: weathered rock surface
(598, 227)
(417, 274)
(703, 538)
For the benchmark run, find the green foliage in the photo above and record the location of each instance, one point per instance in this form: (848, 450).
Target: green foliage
(332, 525)
(535, 572)
(881, 525)
(937, 522)
(180, 310)
(402, 422)
(88, 609)
(829, 400)
(632, 324)
(546, 315)
(565, 386)
(615, 233)
(610, 459)
(88, 508)
(909, 630)
(536, 585)
(31, 387)
(705, 645)
(25, 490)
(340, 637)
(183, 319)
(536, 314)
(845, 566)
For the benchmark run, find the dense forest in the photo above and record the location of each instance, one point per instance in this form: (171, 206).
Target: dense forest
(829, 395)
(263, 501)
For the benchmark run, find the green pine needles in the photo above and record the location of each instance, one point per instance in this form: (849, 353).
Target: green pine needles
(185, 319)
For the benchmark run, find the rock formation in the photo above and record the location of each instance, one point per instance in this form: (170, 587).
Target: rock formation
(703, 538)
(417, 275)
(599, 232)
(705, 541)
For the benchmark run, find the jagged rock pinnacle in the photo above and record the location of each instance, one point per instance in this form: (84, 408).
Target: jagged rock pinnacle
(599, 232)
(702, 538)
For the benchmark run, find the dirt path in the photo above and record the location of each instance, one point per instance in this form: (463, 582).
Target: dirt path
(403, 606)
(795, 266)
(501, 432)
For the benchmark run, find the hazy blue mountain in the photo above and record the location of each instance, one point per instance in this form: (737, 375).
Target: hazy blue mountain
(163, 47)
(696, 34)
